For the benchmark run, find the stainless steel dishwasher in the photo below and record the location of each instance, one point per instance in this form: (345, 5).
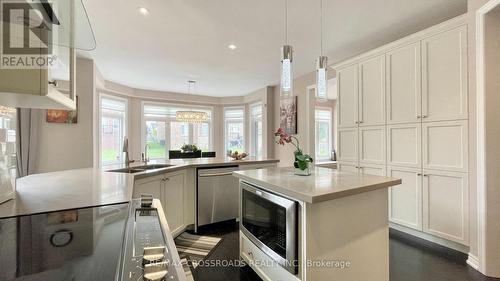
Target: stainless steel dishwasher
(217, 195)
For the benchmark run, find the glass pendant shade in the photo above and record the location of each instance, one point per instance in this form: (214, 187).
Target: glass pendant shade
(286, 72)
(321, 79)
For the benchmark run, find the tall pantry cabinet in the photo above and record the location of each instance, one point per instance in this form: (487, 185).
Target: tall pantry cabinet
(402, 112)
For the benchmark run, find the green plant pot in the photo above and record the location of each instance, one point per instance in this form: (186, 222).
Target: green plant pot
(304, 172)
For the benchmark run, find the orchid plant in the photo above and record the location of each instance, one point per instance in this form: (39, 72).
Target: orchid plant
(301, 160)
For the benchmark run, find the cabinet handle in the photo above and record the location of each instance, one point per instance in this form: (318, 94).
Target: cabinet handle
(166, 179)
(360, 122)
(53, 83)
(418, 116)
(356, 122)
(425, 175)
(419, 174)
(424, 116)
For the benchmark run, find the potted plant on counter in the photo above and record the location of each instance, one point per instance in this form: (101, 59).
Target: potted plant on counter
(189, 148)
(302, 161)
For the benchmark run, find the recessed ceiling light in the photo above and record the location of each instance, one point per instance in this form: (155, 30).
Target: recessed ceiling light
(231, 47)
(143, 11)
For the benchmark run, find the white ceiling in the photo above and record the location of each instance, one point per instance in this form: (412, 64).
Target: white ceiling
(187, 39)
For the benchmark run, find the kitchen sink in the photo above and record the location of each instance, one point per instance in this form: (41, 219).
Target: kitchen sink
(138, 169)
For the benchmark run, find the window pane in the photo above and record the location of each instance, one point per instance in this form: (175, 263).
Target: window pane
(179, 135)
(234, 138)
(155, 138)
(201, 136)
(258, 138)
(111, 138)
(113, 126)
(323, 133)
(234, 120)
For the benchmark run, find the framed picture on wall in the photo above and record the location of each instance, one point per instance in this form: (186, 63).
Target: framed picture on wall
(62, 116)
(288, 115)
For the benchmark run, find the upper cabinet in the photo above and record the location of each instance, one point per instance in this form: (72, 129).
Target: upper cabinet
(347, 87)
(404, 97)
(444, 76)
(372, 92)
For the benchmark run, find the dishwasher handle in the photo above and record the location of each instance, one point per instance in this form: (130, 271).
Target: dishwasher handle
(215, 175)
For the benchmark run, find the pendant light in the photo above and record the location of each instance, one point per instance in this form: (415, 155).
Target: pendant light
(191, 116)
(286, 62)
(321, 66)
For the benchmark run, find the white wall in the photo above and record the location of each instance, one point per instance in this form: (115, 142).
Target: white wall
(70, 146)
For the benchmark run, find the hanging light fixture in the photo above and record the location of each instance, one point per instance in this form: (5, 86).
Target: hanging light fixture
(321, 66)
(191, 116)
(286, 62)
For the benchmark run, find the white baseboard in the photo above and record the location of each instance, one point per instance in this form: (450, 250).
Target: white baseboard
(443, 242)
(473, 261)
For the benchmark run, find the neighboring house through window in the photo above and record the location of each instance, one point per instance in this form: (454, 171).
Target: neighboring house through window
(113, 123)
(234, 129)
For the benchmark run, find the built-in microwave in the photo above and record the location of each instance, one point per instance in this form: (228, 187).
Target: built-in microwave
(270, 222)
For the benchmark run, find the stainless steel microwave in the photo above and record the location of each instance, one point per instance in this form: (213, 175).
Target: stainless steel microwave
(270, 222)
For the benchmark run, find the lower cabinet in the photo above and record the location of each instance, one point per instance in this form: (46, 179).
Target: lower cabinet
(170, 189)
(173, 200)
(445, 205)
(405, 200)
(435, 202)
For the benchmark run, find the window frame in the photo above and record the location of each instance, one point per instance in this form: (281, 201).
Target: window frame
(330, 132)
(227, 122)
(125, 125)
(168, 121)
(253, 133)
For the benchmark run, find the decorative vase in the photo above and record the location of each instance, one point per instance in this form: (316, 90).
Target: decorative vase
(305, 172)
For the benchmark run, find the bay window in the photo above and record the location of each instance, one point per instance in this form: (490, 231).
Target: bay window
(256, 129)
(163, 132)
(113, 124)
(323, 133)
(234, 129)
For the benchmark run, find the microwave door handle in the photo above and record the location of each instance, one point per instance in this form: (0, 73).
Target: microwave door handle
(215, 175)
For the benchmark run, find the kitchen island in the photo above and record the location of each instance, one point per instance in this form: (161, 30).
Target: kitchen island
(334, 225)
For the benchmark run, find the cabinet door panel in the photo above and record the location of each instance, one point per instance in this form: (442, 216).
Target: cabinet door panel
(348, 145)
(445, 205)
(153, 186)
(376, 170)
(347, 90)
(405, 200)
(404, 95)
(372, 145)
(444, 76)
(404, 145)
(348, 167)
(174, 201)
(445, 145)
(372, 92)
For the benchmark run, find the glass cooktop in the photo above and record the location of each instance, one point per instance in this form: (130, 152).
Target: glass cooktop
(80, 244)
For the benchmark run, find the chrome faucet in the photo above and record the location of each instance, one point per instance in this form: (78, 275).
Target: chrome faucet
(145, 155)
(125, 149)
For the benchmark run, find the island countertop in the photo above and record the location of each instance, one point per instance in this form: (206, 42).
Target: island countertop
(90, 187)
(322, 185)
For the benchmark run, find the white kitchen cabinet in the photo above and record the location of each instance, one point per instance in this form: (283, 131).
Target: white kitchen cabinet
(444, 76)
(375, 170)
(404, 95)
(170, 189)
(372, 92)
(372, 145)
(444, 145)
(348, 167)
(404, 145)
(347, 89)
(150, 185)
(347, 143)
(405, 200)
(446, 205)
(174, 198)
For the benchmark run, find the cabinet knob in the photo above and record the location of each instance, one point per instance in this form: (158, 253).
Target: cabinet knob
(424, 116)
(419, 174)
(53, 83)
(166, 179)
(250, 254)
(418, 116)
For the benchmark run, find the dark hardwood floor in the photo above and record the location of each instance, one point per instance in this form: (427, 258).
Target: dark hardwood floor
(411, 259)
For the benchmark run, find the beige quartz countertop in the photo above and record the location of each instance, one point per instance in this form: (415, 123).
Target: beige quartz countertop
(92, 187)
(322, 185)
